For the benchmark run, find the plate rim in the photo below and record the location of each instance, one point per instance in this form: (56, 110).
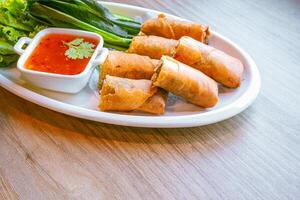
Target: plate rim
(191, 120)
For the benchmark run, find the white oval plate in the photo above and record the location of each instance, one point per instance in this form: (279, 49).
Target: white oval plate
(178, 112)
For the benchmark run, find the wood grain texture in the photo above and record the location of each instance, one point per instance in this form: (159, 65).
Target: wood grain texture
(255, 155)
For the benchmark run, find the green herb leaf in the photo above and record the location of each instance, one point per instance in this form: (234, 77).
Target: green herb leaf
(11, 34)
(71, 53)
(78, 49)
(76, 42)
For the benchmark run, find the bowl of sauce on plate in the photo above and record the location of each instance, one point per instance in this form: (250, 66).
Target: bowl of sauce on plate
(60, 59)
(50, 55)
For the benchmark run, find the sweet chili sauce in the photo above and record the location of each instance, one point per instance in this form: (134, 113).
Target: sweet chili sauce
(49, 55)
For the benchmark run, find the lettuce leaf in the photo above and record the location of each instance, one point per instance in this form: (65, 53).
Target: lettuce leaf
(6, 48)
(8, 19)
(11, 34)
(6, 60)
(13, 13)
(14, 6)
(15, 22)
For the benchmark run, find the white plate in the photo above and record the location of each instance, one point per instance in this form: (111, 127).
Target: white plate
(178, 112)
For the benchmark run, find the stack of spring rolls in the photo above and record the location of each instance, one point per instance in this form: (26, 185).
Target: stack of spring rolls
(168, 56)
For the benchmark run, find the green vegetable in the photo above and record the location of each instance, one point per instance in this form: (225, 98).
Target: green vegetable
(88, 15)
(6, 60)
(12, 13)
(126, 19)
(11, 34)
(15, 22)
(6, 48)
(6, 18)
(85, 14)
(14, 6)
(111, 46)
(103, 12)
(60, 19)
(78, 49)
(37, 29)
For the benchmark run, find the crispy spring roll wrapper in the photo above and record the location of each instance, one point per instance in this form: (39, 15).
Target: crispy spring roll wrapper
(175, 29)
(216, 64)
(122, 94)
(185, 81)
(157, 103)
(153, 46)
(127, 65)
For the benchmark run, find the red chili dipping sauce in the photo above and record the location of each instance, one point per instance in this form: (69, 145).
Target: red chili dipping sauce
(50, 55)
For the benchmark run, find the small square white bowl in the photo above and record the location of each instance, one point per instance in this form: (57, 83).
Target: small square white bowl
(59, 82)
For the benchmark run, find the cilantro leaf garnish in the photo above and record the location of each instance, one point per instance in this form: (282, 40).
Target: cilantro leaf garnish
(71, 53)
(76, 42)
(79, 49)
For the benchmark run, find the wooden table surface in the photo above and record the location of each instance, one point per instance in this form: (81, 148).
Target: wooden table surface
(254, 155)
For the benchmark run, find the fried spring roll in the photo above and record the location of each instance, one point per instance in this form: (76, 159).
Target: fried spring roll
(175, 29)
(157, 103)
(185, 81)
(214, 63)
(127, 65)
(153, 46)
(122, 94)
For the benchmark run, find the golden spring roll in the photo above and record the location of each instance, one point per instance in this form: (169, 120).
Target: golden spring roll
(157, 103)
(122, 94)
(216, 64)
(175, 29)
(127, 65)
(185, 81)
(153, 46)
